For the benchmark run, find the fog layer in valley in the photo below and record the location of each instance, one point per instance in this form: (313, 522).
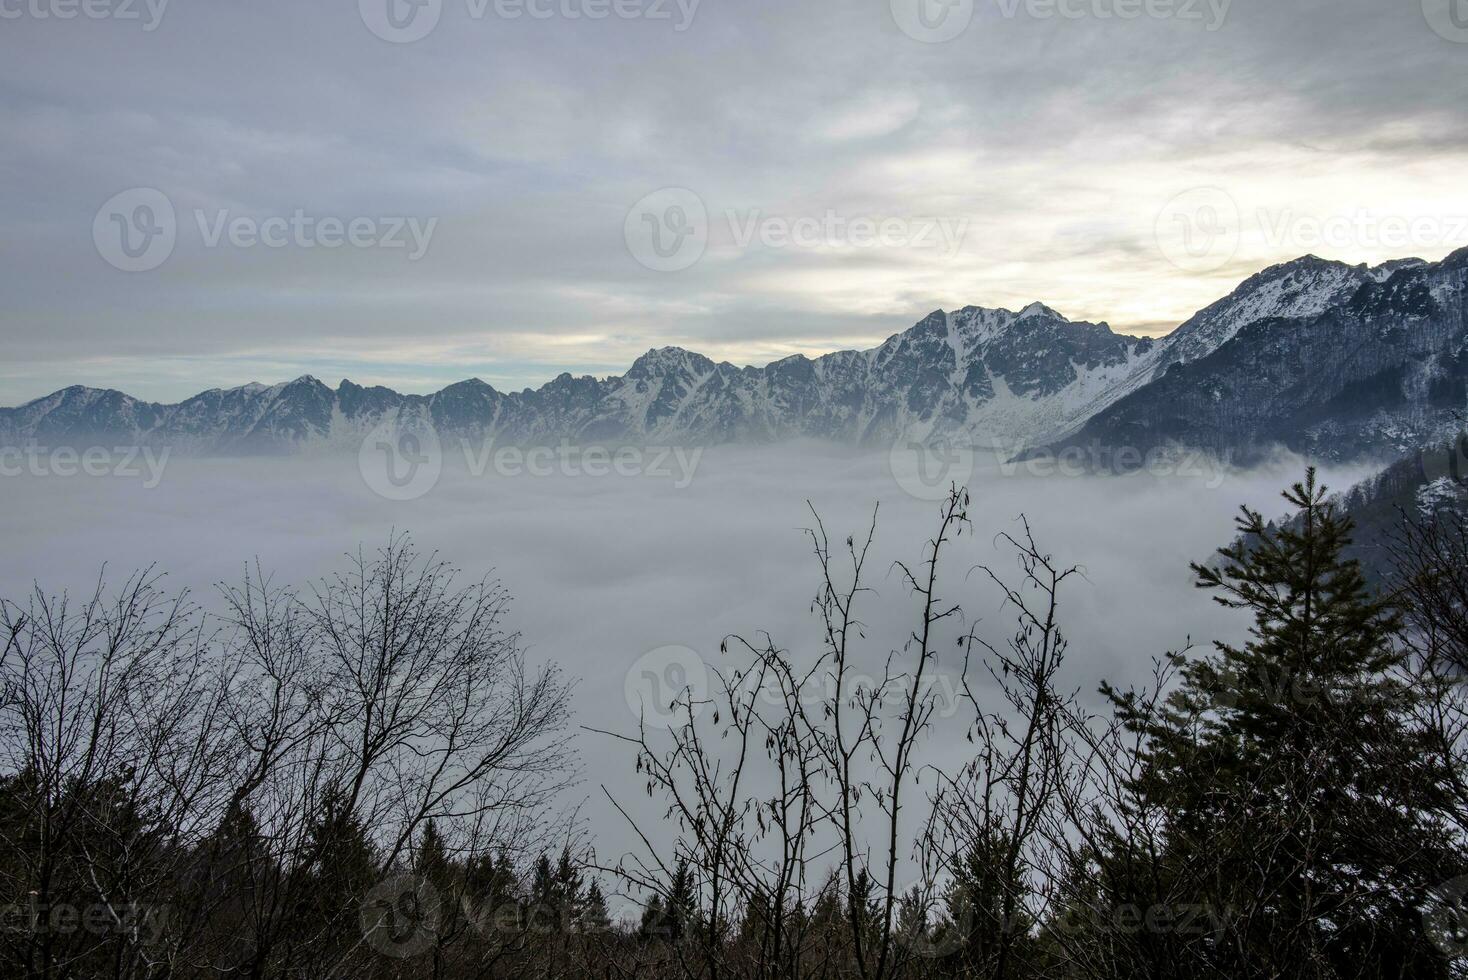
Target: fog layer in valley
(607, 568)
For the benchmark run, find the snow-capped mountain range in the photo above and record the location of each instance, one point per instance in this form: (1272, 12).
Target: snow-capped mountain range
(1303, 353)
(1331, 362)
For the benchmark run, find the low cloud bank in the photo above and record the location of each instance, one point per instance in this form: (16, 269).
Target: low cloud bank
(611, 572)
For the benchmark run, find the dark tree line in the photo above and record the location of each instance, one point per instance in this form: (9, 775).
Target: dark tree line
(361, 780)
(195, 796)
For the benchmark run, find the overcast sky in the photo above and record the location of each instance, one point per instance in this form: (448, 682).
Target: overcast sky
(474, 201)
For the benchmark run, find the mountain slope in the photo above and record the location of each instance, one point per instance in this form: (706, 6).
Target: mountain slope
(1377, 374)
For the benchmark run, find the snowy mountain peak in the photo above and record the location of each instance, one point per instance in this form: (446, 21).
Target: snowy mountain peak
(1303, 287)
(669, 360)
(1386, 270)
(1041, 310)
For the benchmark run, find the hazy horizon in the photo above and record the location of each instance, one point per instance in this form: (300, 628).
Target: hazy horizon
(180, 393)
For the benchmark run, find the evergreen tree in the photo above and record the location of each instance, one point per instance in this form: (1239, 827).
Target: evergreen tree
(432, 860)
(682, 903)
(566, 894)
(654, 921)
(1298, 798)
(593, 916)
(343, 868)
(977, 924)
(494, 891)
(543, 897)
(863, 915)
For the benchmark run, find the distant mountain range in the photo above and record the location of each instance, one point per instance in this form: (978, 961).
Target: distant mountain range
(1335, 361)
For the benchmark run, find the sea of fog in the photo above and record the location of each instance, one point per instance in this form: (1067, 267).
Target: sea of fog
(629, 575)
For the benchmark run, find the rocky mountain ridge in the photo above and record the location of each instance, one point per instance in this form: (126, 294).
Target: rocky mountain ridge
(976, 376)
